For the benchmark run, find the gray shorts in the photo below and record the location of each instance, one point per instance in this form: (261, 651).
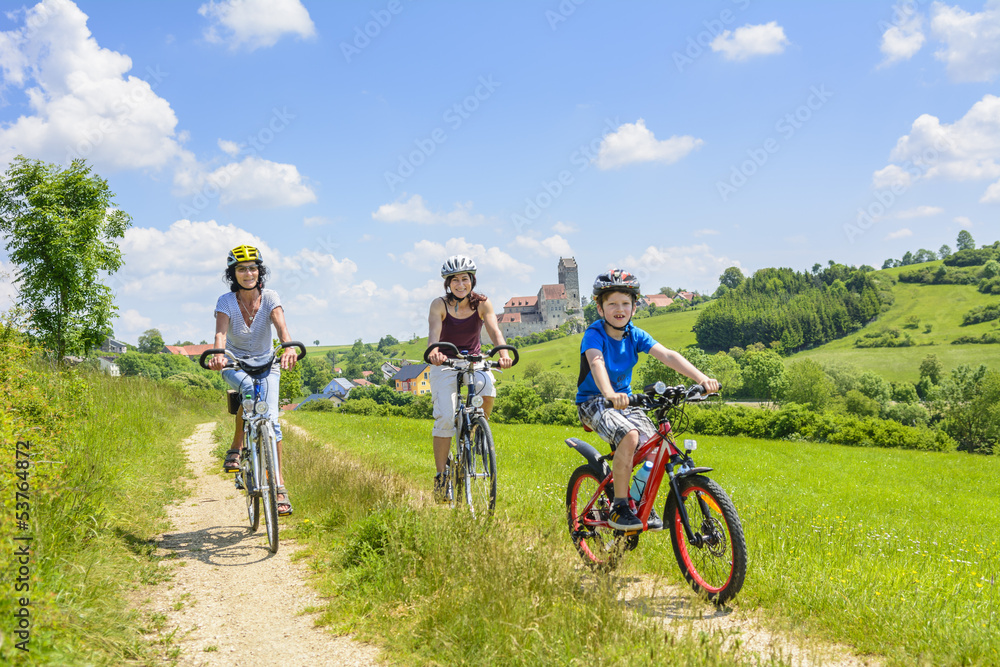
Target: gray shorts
(612, 425)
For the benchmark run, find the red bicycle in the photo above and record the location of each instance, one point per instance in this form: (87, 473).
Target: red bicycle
(704, 527)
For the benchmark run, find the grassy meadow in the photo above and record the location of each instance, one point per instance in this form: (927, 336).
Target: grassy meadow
(895, 553)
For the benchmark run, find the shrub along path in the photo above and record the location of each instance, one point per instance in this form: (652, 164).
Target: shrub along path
(228, 599)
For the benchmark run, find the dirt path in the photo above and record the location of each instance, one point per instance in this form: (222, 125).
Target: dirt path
(229, 600)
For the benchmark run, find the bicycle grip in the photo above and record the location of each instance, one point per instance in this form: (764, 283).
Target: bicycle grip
(213, 351)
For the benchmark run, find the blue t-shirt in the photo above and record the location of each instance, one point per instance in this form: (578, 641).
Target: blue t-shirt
(620, 357)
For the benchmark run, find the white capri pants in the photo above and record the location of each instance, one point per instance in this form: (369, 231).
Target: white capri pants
(444, 390)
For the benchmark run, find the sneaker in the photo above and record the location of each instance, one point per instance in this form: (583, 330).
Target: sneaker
(442, 493)
(622, 518)
(654, 522)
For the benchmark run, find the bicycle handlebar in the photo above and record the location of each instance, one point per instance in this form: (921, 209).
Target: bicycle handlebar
(234, 361)
(660, 395)
(459, 355)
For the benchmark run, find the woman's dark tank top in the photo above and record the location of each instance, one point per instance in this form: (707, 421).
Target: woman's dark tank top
(463, 334)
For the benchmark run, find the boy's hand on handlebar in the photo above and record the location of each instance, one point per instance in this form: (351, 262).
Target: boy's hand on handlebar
(711, 385)
(437, 357)
(619, 401)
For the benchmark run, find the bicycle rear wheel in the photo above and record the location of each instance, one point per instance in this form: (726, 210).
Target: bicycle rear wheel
(269, 485)
(482, 468)
(600, 545)
(463, 470)
(249, 483)
(715, 564)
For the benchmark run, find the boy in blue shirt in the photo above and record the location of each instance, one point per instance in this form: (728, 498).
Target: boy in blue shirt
(608, 353)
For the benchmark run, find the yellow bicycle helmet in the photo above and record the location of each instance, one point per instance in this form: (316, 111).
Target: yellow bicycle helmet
(243, 253)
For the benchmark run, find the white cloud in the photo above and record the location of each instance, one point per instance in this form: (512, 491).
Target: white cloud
(902, 40)
(255, 23)
(415, 210)
(427, 256)
(565, 227)
(254, 182)
(899, 234)
(966, 150)
(82, 103)
(683, 266)
(971, 50)
(992, 194)
(963, 221)
(751, 40)
(553, 246)
(633, 142)
(131, 324)
(919, 212)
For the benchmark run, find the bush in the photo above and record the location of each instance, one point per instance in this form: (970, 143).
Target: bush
(318, 405)
(860, 405)
(562, 413)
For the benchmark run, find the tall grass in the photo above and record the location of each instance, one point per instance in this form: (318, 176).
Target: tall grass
(436, 587)
(105, 461)
(893, 552)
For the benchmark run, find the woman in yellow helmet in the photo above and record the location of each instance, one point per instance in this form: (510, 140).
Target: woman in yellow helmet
(243, 319)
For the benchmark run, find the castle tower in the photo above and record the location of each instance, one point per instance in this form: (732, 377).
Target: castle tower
(570, 280)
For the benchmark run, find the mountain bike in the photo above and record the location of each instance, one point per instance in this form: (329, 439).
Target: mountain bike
(705, 529)
(257, 474)
(472, 462)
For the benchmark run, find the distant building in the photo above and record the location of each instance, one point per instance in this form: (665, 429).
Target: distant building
(413, 379)
(551, 307)
(190, 351)
(340, 387)
(108, 365)
(658, 300)
(115, 346)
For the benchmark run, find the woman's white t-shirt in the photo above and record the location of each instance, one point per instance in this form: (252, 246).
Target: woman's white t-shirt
(254, 340)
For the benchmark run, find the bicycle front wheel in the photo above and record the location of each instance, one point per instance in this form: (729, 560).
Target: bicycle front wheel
(249, 483)
(482, 468)
(269, 485)
(715, 562)
(600, 545)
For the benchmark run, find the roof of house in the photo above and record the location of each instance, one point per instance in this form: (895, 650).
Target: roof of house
(338, 386)
(188, 350)
(363, 382)
(568, 262)
(409, 372)
(556, 291)
(686, 295)
(509, 317)
(112, 341)
(659, 300)
(521, 301)
(366, 373)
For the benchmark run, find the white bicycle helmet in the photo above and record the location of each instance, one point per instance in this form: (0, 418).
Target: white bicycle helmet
(458, 264)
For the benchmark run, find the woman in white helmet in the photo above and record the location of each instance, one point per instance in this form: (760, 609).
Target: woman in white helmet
(458, 318)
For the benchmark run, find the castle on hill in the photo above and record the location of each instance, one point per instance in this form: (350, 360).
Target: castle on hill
(550, 308)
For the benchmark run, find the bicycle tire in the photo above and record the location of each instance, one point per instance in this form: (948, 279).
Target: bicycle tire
(463, 472)
(269, 486)
(717, 568)
(600, 546)
(249, 484)
(482, 468)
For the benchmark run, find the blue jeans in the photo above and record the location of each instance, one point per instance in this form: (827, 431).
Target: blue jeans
(243, 383)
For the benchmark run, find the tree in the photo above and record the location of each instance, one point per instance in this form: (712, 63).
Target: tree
(386, 343)
(965, 241)
(151, 342)
(763, 374)
(590, 314)
(944, 252)
(290, 387)
(669, 292)
(552, 385)
(931, 368)
(732, 277)
(316, 342)
(60, 226)
(807, 384)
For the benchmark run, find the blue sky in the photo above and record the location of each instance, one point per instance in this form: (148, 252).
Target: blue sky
(361, 143)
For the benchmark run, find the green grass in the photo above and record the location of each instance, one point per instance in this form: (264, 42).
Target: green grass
(106, 457)
(893, 552)
(941, 306)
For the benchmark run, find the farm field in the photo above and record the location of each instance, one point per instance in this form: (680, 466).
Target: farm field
(857, 546)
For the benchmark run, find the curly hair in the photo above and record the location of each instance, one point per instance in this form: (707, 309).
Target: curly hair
(234, 286)
(475, 298)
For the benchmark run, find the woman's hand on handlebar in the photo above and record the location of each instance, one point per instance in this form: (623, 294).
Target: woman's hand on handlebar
(504, 361)
(217, 362)
(288, 358)
(436, 356)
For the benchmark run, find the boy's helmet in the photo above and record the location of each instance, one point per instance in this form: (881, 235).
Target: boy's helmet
(243, 253)
(616, 280)
(458, 264)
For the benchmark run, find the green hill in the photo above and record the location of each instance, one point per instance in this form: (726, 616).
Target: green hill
(941, 307)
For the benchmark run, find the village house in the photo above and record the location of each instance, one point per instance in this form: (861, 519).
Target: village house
(413, 379)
